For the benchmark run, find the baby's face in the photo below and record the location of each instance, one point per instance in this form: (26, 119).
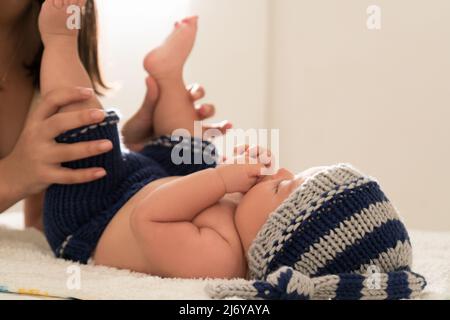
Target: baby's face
(263, 199)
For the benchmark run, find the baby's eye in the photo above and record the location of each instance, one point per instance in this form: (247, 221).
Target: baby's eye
(277, 186)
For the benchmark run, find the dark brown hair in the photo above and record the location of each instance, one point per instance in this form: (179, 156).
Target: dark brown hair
(87, 48)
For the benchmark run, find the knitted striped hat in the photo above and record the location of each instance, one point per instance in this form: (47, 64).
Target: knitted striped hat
(336, 237)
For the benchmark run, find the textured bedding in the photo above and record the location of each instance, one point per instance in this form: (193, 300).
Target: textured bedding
(28, 268)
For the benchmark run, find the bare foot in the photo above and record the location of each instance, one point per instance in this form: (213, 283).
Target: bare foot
(168, 59)
(60, 19)
(59, 24)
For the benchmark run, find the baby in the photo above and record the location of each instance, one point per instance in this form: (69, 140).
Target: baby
(312, 235)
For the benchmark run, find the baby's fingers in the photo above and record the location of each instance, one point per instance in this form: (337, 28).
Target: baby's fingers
(258, 155)
(240, 150)
(262, 155)
(256, 170)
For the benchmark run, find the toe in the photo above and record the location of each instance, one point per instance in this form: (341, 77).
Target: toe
(192, 21)
(58, 4)
(206, 111)
(197, 92)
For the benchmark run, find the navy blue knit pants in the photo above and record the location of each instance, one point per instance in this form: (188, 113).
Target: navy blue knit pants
(75, 216)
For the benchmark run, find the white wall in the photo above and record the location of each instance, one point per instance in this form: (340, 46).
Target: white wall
(378, 99)
(128, 30)
(337, 91)
(230, 57)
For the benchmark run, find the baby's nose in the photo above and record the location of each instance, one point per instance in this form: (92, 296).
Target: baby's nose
(283, 174)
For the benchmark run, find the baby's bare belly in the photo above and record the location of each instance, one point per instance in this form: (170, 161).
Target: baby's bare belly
(119, 248)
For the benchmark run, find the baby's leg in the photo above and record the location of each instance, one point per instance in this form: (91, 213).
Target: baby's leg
(75, 216)
(61, 64)
(174, 110)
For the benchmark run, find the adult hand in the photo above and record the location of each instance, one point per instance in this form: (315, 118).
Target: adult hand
(139, 129)
(35, 162)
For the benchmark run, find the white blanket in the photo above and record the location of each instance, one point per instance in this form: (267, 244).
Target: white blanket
(28, 267)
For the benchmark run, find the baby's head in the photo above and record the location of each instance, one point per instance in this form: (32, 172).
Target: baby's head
(332, 234)
(264, 198)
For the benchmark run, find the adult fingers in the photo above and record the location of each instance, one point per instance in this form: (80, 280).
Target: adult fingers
(58, 98)
(78, 176)
(71, 152)
(63, 122)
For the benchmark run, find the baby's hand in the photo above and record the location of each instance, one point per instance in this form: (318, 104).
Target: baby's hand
(242, 172)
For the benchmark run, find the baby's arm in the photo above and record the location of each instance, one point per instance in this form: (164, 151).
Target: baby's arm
(183, 199)
(163, 224)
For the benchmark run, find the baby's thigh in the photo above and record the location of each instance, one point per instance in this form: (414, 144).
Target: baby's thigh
(118, 247)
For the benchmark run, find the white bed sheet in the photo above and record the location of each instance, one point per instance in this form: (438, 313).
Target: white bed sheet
(21, 249)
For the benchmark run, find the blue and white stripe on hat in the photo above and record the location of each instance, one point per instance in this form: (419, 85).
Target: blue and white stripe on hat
(336, 237)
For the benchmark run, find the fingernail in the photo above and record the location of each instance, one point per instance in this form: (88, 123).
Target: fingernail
(100, 173)
(105, 146)
(97, 115)
(87, 92)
